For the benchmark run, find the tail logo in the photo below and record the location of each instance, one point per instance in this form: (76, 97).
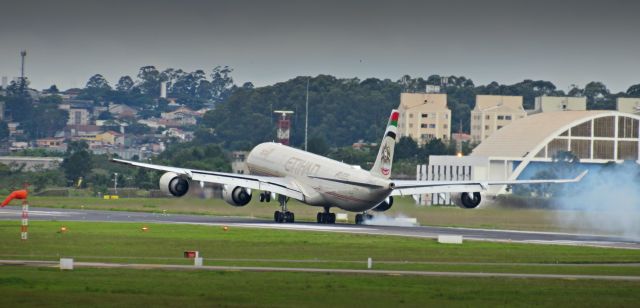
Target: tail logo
(386, 160)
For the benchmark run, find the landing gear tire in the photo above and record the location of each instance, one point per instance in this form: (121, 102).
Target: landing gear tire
(361, 218)
(289, 217)
(326, 218)
(280, 216)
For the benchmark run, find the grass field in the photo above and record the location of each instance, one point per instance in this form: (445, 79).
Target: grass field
(493, 218)
(165, 243)
(44, 287)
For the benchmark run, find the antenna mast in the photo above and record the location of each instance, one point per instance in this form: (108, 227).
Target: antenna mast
(23, 54)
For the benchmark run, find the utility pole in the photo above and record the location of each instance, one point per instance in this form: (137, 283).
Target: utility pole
(306, 117)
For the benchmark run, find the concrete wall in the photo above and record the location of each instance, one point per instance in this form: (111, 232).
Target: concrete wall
(31, 163)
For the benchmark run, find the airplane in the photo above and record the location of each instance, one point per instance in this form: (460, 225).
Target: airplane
(286, 172)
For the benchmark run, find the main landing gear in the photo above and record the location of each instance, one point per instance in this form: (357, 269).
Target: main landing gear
(360, 218)
(326, 217)
(284, 215)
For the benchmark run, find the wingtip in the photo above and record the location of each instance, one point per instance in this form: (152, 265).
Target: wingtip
(579, 177)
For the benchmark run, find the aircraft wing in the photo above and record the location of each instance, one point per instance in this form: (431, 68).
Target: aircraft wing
(280, 185)
(404, 188)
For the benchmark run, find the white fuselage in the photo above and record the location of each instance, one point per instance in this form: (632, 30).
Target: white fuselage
(323, 181)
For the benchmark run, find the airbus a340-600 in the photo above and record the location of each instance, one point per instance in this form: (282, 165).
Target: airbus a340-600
(285, 172)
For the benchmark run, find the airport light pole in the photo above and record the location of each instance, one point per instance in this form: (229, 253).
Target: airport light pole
(306, 117)
(115, 183)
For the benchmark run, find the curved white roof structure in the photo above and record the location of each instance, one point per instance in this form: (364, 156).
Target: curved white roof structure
(595, 136)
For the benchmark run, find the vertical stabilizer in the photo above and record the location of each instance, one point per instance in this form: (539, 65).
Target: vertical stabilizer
(384, 160)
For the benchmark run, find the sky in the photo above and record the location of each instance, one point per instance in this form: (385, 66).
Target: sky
(265, 42)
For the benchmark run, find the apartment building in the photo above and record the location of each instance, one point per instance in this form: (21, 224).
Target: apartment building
(493, 112)
(628, 104)
(560, 103)
(424, 116)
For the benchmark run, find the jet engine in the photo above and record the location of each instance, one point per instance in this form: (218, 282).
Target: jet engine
(467, 200)
(173, 184)
(384, 205)
(236, 196)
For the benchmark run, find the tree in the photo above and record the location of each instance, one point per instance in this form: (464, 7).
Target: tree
(98, 82)
(598, 96)
(634, 90)
(97, 89)
(406, 148)
(77, 162)
(53, 89)
(149, 80)
(348, 155)
(4, 131)
(125, 84)
(47, 119)
(194, 155)
(138, 129)
(19, 108)
(51, 100)
(318, 144)
(221, 83)
(18, 87)
(575, 91)
(435, 147)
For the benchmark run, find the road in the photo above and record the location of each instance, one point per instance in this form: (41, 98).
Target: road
(14, 213)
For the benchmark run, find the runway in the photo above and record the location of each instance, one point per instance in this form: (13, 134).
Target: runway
(14, 213)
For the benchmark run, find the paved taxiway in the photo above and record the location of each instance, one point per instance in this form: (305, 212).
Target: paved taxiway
(14, 213)
(317, 270)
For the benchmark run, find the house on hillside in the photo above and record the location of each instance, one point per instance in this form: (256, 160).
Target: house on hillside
(178, 133)
(111, 138)
(122, 111)
(182, 116)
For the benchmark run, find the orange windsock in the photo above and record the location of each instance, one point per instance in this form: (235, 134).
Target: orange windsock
(18, 194)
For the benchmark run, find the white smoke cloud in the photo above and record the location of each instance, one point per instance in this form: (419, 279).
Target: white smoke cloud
(399, 220)
(604, 202)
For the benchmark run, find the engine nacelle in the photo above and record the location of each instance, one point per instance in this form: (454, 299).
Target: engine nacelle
(467, 200)
(236, 196)
(173, 184)
(384, 205)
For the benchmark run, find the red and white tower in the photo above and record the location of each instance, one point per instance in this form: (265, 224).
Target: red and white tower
(284, 126)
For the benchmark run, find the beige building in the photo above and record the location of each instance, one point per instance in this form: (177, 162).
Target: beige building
(493, 112)
(424, 116)
(560, 103)
(79, 116)
(628, 105)
(110, 138)
(238, 162)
